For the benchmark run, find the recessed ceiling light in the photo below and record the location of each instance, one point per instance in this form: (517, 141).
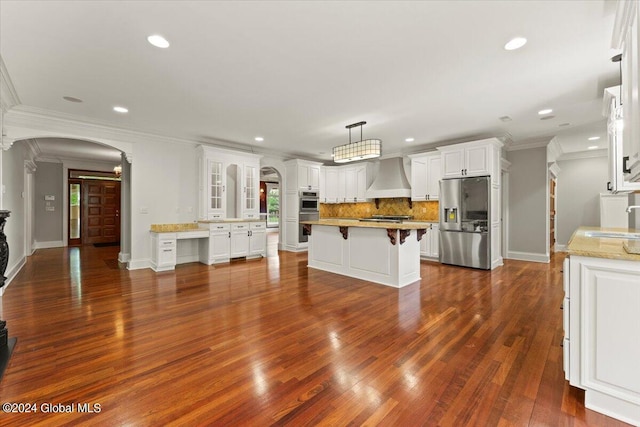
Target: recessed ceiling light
(409, 140)
(120, 110)
(545, 111)
(71, 99)
(592, 147)
(259, 138)
(515, 43)
(158, 41)
(594, 138)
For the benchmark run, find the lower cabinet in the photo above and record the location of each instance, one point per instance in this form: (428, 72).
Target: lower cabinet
(163, 251)
(601, 324)
(430, 243)
(234, 240)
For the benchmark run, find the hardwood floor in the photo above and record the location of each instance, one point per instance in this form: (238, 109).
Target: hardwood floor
(271, 342)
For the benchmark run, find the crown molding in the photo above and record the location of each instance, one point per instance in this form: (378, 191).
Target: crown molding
(30, 166)
(8, 95)
(590, 154)
(530, 145)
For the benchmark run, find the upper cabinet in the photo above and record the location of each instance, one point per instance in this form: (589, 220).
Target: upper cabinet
(229, 184)
(477, 158)
(622, 104)
(303, 175)
(425, 176)
(345, 184)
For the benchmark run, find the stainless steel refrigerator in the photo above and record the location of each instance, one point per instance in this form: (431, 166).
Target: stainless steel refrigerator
(465, 232)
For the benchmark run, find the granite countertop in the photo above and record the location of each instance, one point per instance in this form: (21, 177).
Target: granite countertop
(175, 228)
(216, 221)
(336, 222)
(602, 247)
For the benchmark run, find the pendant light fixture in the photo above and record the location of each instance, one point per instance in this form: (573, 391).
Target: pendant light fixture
(360, 150)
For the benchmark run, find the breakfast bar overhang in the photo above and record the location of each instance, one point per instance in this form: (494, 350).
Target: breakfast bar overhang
(385, 253)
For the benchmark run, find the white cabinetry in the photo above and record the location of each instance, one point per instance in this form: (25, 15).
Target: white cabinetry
(217, 248)
(477, 158)
(430, 243)
(299, 175)
(229, 184)
(346, 184)
(163, 251)
(601, 342)
(626, 37)
(425, 176)
(257, 239)
(239, 240)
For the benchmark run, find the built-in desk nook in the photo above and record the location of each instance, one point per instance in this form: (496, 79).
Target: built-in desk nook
(218, 241)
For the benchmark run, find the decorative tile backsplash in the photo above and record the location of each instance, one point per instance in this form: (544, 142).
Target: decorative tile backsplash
(421, 211)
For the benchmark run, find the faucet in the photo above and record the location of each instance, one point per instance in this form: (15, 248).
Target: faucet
(632, 207)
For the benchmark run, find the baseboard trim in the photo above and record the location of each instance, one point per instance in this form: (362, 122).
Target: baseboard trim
(528, 256)
(48, 245)
(124, 257)
(560, 248)
(12, 273)
(138, 264)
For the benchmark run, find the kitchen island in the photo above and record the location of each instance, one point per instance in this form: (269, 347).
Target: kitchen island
(381, 252)
(602, 319)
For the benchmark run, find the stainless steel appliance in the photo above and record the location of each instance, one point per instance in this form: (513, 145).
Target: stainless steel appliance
(465, 232)
(309, 211)
(309, 201)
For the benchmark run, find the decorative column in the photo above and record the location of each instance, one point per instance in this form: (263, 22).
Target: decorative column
(6, 344)
(4, 247)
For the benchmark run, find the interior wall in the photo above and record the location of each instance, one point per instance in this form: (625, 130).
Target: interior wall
(14, 186)
(48, 223)
(528, 204)
(580, 183)
(164, 189)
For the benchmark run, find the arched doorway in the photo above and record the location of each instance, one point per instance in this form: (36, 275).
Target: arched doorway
(270, 203)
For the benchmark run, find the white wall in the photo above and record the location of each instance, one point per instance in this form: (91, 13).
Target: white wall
(48, 224)
(12, 200)
(528, 205)
(164, 184)
(580, 183)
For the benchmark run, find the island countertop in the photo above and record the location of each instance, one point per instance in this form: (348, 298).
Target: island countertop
(602, 247)
(337, 222)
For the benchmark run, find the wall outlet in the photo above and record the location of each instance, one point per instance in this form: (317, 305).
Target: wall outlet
(424, 210)
(50, 208)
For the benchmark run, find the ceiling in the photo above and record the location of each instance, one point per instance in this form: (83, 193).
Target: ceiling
(297, 72)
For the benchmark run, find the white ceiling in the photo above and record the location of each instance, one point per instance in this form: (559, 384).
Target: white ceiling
(297, 72)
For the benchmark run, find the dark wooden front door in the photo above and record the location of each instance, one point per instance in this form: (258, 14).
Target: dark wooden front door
(101, 212)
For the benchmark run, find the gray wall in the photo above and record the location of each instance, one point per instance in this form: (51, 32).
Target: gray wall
(12, 200)
(580, 182)
(48, 182)
(527, 204)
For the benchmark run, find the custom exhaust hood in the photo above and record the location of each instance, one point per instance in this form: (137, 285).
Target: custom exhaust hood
(390, 181)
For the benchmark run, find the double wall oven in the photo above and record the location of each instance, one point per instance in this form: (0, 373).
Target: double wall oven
(309, 211)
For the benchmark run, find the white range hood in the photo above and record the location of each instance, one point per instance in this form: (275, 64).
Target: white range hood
(390, 181)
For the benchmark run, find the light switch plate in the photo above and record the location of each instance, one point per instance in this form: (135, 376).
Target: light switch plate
(49, 197)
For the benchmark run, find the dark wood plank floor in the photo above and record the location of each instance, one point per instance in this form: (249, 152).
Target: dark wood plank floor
(271, 342)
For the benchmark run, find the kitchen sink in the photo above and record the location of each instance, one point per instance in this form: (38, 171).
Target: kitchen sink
(613, 234)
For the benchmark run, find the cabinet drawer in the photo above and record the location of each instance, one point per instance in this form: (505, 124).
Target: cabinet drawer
(243, 226)
(219, 227)
(258, 225)
(167, 243)
(566, 310)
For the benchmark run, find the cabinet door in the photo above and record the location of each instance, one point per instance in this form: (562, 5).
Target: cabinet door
(313, 177)
(342, 186)
(331, 190)
(219, 245)
(452, 162)
(434, 241)
(216, 177)
(419, 173)
(477, 161)
(350, 185)
(258, 240)
(424, 245)
(239, 240)
(250, 192)
(434, 173)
